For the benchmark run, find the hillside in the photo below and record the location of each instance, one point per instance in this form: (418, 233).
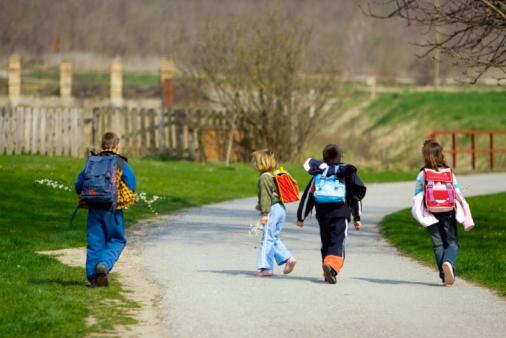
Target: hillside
(389, 130)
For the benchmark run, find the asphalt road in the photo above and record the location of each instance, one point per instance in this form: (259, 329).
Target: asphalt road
(204, 261)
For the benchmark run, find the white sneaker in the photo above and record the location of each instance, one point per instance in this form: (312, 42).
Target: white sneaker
(449, 277)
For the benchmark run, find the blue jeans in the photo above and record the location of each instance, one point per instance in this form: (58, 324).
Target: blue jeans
(106, 239)
(271, 247)
(445, 240)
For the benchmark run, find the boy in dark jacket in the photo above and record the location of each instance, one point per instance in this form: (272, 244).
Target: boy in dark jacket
(332, 218)
(105, 231)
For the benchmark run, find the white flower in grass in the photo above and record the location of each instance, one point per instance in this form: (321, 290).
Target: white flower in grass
(53, 184)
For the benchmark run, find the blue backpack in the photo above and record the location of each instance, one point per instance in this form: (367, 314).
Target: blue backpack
(100, 185)
(329, 189)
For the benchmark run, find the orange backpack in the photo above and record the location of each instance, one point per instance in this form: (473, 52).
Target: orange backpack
(287, 186)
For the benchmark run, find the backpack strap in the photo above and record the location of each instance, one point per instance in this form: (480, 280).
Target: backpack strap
(430, 190)
(73, 216)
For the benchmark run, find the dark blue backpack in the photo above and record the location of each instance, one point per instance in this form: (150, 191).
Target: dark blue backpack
(100, 186)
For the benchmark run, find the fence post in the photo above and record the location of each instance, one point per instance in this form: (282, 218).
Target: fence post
(454, 151)
(14, 79)
(371, 81)
(166, 73)
(116, 82)
(473, 151)
(491, 150)
(66, 80)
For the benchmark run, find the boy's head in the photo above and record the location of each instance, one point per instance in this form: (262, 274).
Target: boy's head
(264, 160)
(110, 141)
(332, 154)
(433, 156)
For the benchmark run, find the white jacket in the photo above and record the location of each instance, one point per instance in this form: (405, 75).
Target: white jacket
(426, 218)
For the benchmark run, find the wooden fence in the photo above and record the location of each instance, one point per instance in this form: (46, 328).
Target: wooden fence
(46, 131)
(491, 150)
(181, 133)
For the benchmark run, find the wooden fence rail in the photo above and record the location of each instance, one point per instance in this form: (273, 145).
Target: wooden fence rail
(491, 150)
(181, 133)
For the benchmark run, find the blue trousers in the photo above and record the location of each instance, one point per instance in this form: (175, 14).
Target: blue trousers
(271, 248)
(445, 240)
(106, 239)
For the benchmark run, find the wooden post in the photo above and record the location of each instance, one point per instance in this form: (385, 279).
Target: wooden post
(152, 130)
(65, 133)
(473, 151)
(35, 131)
(116, 82)
(371, 81)
(134, 131)
(143, 144)
(58, 132)
(454, 150)
(43, 132)
(10, 128)
(166, 74)
(14, 79)
(74, 145)
(66, 80)
(491, 150)
(161, 131)
(50, 131)
(19, 130)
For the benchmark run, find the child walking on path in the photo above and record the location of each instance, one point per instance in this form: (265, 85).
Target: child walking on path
(438, 204)
(105, 232)
(272, 218)
(334, 206)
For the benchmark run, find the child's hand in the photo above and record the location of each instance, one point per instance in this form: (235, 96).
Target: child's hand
(257, 207)
(300, 224)
(358, 225)
(264, 220)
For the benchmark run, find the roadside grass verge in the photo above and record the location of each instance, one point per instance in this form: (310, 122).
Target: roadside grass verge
(40, 295)
(482, 254)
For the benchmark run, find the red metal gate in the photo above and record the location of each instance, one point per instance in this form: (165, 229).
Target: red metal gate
(473, 150)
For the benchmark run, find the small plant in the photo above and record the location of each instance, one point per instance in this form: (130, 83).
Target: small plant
(53, 184)
(143, 197)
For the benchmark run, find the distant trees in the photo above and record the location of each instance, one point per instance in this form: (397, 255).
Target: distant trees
(471, 32)
(254, 70)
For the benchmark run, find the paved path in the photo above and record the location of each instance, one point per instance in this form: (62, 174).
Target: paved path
(204, 259)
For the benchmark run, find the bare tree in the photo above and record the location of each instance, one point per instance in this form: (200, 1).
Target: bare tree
(472, 32)
(253, 70)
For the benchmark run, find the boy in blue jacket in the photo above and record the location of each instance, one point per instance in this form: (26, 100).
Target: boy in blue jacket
(333, 217)
(105, 230)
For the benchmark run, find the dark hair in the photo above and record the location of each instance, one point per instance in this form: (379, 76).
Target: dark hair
(332, 154)
(109, 140)
(433, 156)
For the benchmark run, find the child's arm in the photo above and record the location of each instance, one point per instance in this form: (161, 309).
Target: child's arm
(419, 183)
(128, 177)
(265, 189)
(78, 186)
(305, 205)
(456, 185)
(314, 167)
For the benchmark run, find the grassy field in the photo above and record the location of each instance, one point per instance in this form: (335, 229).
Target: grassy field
(391, 129)
(482, 255)
(37, 293)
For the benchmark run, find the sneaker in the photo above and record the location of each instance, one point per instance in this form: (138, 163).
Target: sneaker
(329, 274)
(92, 282)
(449, 277)
(101, 277)
(264, 273)
(289, 265)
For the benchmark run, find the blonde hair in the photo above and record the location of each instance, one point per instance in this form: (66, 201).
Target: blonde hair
(433, 156)
(264, 160)
(109, 141)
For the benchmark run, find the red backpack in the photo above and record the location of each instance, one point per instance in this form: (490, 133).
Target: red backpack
(287, 186)
(439, 191)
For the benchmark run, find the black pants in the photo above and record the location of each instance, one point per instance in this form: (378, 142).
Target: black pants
(333, 231)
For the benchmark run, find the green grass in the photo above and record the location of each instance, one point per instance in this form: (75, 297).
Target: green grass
(39, 294)
(482, 255)
(460, 110)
